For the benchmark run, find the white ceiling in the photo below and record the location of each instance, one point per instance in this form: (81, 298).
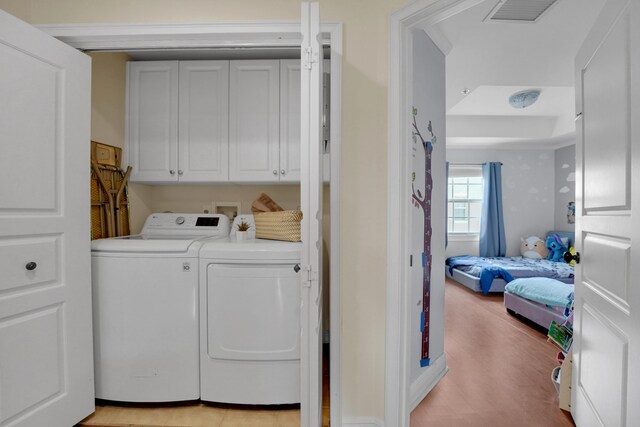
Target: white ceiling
(493, 60)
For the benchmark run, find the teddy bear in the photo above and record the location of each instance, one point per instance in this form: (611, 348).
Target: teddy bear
(556, 248)
(533, 247)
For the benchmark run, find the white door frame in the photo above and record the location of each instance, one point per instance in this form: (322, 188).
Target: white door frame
(420, 14)
(108, 37)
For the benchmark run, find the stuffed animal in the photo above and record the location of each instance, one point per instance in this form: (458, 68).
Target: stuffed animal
(572, 251)
(556, 248)
(533, 247)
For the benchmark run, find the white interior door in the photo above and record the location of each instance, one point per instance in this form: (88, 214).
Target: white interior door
(46, 347)
(606, 376)
(311, 202)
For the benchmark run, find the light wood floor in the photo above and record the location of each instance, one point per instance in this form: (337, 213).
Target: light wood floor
(197, 414)
(499, 376)
(499, 369)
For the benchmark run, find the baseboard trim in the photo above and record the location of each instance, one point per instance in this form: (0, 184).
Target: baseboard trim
(362, 422)
(427, 381)
(418, 391)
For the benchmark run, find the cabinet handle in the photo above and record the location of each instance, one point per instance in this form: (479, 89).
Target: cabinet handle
(31, 266)
(172, 172)
(180, 172)
(282, 171)
(275, 172)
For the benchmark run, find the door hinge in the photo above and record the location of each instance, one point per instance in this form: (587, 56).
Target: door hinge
(310, 276)
(309, 56)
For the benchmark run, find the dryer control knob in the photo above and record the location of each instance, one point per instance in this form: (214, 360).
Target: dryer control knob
(180, 220)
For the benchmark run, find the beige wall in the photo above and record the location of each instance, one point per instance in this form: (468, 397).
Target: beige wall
(108, 93)
(363, 193)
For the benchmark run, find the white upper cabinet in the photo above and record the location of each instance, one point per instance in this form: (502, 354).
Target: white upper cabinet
(254, 109)
(290, 120)
(203, 125)
(178, 121)
(152, 120)
(214, 121)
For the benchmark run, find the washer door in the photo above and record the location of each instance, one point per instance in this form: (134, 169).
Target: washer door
(253, 312)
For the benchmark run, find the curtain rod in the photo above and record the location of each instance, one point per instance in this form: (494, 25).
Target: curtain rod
(470, 164)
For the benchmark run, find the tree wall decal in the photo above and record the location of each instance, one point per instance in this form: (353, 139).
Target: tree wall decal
(424, 202)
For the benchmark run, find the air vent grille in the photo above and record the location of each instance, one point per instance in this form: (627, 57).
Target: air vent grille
(519, 10)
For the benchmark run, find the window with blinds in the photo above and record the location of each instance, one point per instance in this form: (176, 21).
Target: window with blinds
(464, 192)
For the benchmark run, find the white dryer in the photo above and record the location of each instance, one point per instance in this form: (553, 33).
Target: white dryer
(145, 305)
(250, 321)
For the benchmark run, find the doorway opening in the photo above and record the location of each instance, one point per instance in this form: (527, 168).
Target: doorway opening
(253, 39)
(466, 127)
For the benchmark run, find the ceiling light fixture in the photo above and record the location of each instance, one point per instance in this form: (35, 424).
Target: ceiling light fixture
(524, 98)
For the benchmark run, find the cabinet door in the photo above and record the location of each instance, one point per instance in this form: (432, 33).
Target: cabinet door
(254, 120)
(290, 120)
(152, 120)
(203, 149)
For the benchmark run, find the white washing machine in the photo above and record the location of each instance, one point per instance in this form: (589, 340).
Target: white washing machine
(145, 309)
(249, 321)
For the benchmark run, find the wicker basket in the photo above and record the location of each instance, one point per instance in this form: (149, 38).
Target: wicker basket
(283, 225)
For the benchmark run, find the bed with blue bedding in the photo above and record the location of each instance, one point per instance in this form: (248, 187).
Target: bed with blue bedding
(539, 299)
(491, 274)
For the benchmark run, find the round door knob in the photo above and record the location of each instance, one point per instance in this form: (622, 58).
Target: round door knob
(180, 172)
(275, 172)
(180, 220)
(568, 257)
(172, 172)
(296, 268)
(282, 172)
(31, 266)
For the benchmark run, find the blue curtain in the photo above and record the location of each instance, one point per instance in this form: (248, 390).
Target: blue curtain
(446, 204)
(492, 236)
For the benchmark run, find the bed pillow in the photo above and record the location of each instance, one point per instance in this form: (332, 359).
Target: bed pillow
(543, 290)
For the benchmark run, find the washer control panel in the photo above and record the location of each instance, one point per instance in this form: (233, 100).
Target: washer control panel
(187, 224)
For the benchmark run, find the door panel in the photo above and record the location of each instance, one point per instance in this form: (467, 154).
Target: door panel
(606, 137)
(602, 371)
(23, 367)
(46, 346)
(29, 77)
(613, 282)
(607, 327)
(16, 253)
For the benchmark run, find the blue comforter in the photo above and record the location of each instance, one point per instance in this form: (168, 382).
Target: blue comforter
(508, 268)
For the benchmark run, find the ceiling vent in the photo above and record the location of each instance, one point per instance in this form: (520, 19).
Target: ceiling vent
(519, 10)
